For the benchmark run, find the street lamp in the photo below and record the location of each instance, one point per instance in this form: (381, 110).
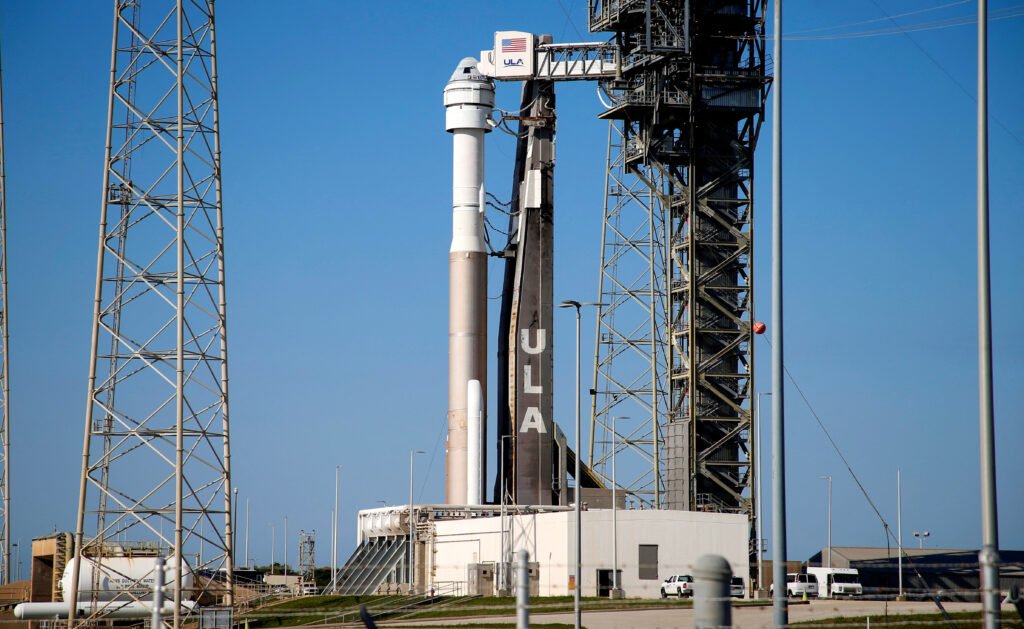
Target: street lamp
(234, 529)
(503, 564)
(829, 479)
(578, 614)
(920, 537)
(412, 523)
(616, 587)
(760, 496)
(246, 532)
(334, 536)
(273, 546)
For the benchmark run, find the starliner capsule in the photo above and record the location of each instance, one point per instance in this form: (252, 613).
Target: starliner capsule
(468, 101)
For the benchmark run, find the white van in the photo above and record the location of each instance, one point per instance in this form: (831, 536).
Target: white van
(836, 582)
(799, 584)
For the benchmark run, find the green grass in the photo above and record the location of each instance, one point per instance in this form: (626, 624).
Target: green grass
(314, 609)
(488, 625)
(963, 620)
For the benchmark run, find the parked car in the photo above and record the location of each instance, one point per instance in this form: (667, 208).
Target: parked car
(799, 584)
(736, 587)
(677, 585)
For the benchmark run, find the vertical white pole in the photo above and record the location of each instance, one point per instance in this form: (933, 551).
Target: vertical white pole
(615, 521)
(334, 546)
(989, 556)
(829, 521)
(899, 526)
(577, 607)
(780, 603)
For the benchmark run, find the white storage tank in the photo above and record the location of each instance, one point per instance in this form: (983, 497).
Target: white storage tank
(115, 577)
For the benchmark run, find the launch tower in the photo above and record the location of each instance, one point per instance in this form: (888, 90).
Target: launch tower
(674, 345)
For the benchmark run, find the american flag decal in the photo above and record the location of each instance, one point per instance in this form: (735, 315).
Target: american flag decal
(514, 44)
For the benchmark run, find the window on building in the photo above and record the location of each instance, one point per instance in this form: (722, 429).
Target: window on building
(648, 561)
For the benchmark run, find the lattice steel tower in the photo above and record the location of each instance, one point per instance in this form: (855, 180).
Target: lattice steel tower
(674, 344)
(307, 556)
(5, 466)
(156, 459)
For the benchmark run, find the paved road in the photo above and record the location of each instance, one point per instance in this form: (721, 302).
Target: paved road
(742, 617)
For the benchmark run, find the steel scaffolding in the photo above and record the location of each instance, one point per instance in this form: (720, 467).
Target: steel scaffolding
(674, 345)
(156, 455)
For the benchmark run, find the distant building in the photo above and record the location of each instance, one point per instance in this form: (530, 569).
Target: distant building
(950, 574)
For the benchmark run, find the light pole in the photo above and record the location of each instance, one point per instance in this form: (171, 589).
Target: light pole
(988, 556)
(780, 604)
(829, 479)
(286, 548)
(921, 535)
(273, 547)
(899, 528)
(578, 613)
(502, 576)
(412, 524)
(334, 541)
(234, 529)
(616, 589)
(760, 496)
(246, 532)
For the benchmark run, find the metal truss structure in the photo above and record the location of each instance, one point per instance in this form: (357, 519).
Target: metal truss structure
(307, 556)
(674, 346)
(5, 427)
(631, 362)
(156, 456)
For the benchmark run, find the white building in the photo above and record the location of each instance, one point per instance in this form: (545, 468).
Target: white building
(652, 545)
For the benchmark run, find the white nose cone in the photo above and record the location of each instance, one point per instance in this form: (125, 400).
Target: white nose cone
(468, 98)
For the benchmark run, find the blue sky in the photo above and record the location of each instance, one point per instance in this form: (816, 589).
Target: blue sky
(337, 201)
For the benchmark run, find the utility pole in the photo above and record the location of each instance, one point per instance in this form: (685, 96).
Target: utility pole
(989, 555)
(334, 534)
(412, 524)
(5, 390)
(780, 603)
(899, 528)
(829, 479)
(161, 453)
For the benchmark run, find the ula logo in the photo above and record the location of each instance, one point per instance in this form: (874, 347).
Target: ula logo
(514, 63)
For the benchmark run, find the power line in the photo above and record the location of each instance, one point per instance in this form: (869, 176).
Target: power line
(950, 22)
(879, 19)
(946, 72)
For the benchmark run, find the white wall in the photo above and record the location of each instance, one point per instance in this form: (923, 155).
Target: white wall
(681, 537)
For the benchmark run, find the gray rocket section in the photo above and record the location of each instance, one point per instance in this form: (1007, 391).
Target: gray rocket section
(469, 100)
(528, 308)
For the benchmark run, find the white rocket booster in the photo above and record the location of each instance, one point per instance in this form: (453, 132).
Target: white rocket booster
(468, 100)
(475, 444)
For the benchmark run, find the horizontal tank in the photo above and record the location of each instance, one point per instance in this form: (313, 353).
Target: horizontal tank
(120, 577)
(384, 524)
(108, 610)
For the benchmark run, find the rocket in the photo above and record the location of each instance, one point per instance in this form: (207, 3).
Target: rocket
(468, 101)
